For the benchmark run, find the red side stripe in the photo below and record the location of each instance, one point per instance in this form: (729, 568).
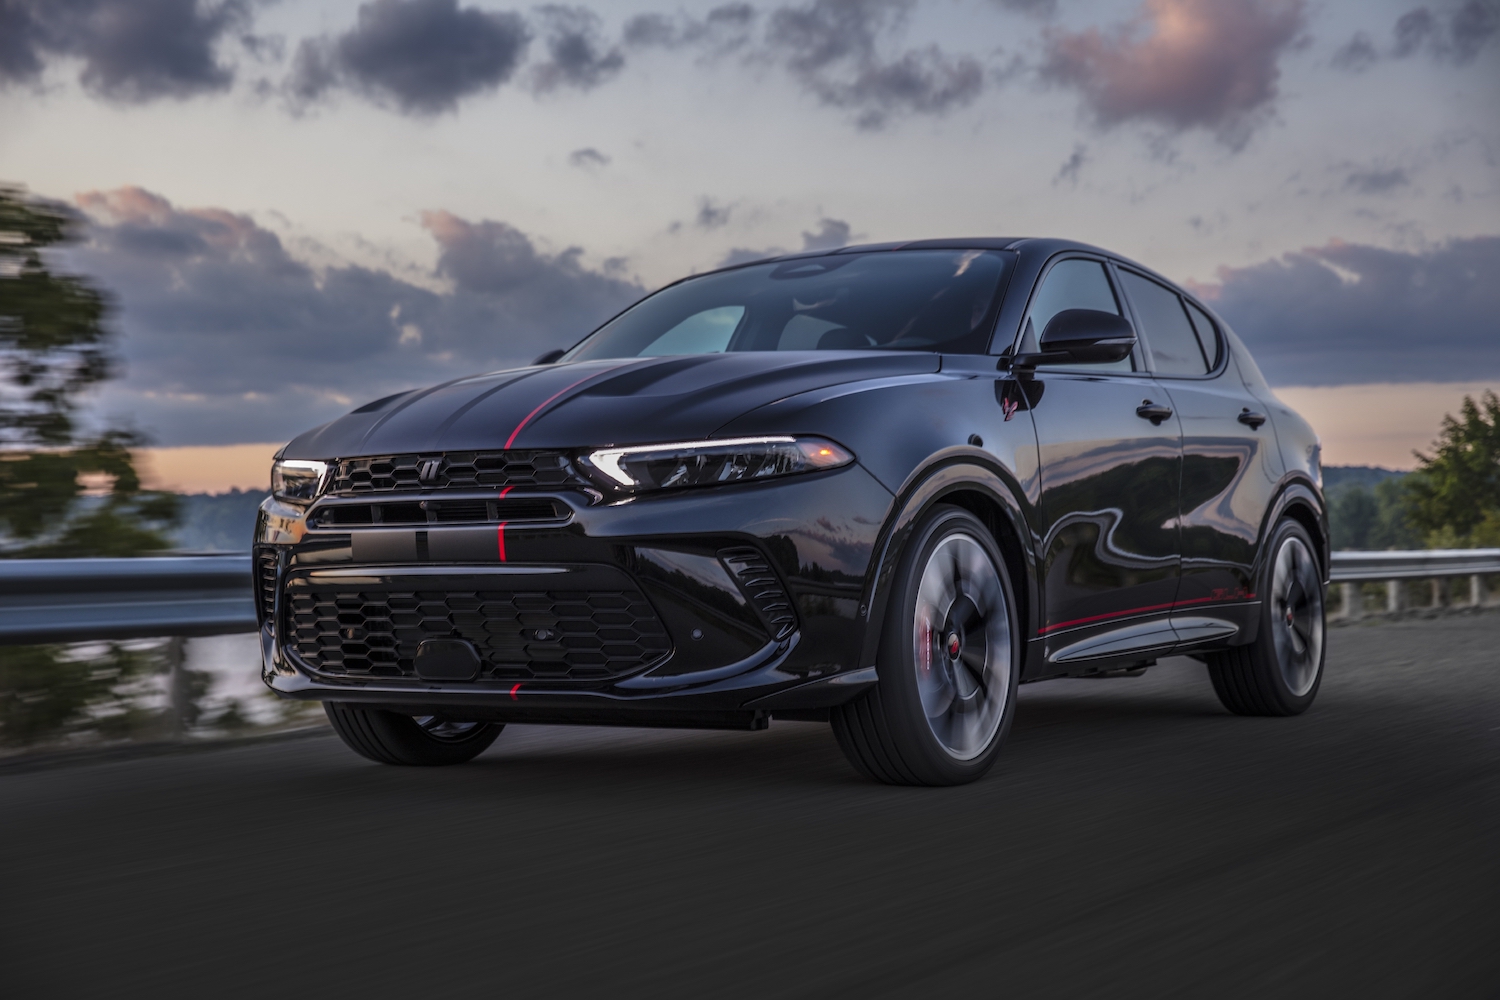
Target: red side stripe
(513, 693)
(500, 534)
(505, 491)
(1140, 611)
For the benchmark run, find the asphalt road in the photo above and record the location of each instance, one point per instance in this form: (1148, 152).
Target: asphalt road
(1134, 840)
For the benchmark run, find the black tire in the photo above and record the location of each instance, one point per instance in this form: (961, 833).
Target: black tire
(392, 738)
(1280, 672)
(898, 732)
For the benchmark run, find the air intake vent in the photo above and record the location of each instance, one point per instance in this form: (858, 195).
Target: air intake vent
(265, 583)
(763, 587)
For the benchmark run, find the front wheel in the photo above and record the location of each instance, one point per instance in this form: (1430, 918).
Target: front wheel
(421, 741)
(948, 665)
(1279, 673)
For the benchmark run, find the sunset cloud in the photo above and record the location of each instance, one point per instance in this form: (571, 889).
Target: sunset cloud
(1183, 64)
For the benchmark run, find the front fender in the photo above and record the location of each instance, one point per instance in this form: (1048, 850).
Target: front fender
(948, 477)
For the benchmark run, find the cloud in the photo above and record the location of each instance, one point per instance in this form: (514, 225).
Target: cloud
(1376, 181)
(133, 51)
(577, 55)
(1455, 34)
(1184, 64)
(832, 48)
(711, 216)
(1074, 163)
(722, 29)
(227, 337)
(830, 235)
(1350, 313)
(588, 158)
(421, 55)
(1356, 55)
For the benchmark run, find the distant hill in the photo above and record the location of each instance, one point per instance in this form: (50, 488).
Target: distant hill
(220, 522)
(1337, 477)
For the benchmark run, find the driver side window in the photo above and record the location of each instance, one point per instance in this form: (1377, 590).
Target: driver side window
(1072, 284)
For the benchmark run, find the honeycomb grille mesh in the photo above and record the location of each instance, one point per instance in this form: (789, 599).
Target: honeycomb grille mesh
(454, 470)
(763, 587)
(519, 635)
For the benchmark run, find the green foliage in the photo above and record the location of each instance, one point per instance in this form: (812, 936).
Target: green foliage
(51, 691)
(1367, 509)
(1454, 497)
(59, 495)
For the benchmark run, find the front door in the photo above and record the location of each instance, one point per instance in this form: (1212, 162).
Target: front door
(1109, 490)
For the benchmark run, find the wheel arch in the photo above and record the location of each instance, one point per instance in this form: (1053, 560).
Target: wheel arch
(1301, 500)
(984, 490)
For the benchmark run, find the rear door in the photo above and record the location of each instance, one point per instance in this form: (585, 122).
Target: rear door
(1229, 458)
(1109, 482)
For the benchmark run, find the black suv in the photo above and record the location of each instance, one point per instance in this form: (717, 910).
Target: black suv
(880, 486)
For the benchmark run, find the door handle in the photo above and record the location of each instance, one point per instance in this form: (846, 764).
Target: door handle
(1251, 419)
(1154, 412)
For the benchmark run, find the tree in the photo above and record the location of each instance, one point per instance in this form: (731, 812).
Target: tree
(61, 494)
(1454, 497)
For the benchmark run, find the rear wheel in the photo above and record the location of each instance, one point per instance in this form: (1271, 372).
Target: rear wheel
(948, 664)
(422, 741)
(1279, 673)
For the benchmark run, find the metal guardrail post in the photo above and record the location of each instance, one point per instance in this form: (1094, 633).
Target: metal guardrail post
(1354, 603)
(1395, 596)
(1476, 590)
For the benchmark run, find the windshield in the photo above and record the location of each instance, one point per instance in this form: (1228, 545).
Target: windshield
(904, 300)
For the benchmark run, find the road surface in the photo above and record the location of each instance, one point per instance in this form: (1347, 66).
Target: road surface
(1133, 840)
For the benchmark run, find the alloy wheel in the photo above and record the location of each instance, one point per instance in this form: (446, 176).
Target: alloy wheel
(962, 646)
(1297, 616)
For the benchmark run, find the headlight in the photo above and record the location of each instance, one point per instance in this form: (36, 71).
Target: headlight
(709, 463)
(297, 480)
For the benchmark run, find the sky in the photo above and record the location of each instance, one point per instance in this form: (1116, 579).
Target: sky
(299, 207)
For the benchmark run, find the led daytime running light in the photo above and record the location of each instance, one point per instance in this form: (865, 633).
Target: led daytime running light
(772, 456)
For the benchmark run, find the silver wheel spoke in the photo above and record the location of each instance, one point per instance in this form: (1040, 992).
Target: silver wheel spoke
(1297, 626)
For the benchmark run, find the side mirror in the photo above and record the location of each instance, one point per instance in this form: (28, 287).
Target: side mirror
(1081, 336)
(550, 357)
(1088, 336)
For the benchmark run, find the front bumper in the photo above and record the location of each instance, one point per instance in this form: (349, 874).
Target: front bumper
(710, 608)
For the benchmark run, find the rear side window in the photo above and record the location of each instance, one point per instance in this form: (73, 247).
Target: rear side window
(1169, 333)
(1208, 334)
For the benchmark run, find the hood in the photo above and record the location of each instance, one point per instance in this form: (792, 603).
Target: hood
(594, 403)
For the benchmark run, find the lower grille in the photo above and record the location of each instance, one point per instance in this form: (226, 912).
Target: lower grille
(520, 635)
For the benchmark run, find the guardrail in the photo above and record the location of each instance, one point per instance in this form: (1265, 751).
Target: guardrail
(1394, 568)
(74, 600)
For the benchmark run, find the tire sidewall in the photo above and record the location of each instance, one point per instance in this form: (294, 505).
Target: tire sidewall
(1292, 703)
(895, 664)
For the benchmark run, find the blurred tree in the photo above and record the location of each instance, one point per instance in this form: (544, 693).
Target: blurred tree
(60, 495)
(1454, 497)
(62, 492)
